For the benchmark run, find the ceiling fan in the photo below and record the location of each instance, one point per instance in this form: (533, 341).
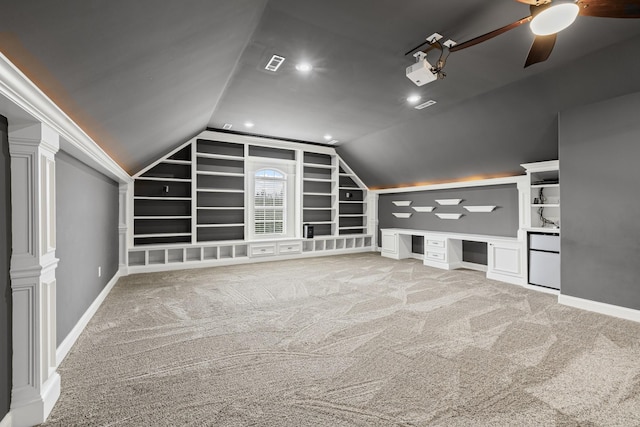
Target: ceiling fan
(547, 18)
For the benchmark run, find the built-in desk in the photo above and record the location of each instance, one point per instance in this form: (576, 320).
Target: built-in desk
(506, 260)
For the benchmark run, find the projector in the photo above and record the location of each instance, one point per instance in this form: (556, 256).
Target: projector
(420, 73)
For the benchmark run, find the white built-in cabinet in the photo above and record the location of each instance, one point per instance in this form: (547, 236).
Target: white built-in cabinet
(191, 207)
(444, 250)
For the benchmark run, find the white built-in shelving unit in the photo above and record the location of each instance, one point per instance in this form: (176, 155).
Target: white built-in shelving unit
(542, 212)
(190, 207)
(352, 202)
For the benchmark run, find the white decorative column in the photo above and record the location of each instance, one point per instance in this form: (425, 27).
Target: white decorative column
(123, 209)
(36, 384)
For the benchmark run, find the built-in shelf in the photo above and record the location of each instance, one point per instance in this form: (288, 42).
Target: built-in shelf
(220, 208)
(219, 156)
(138, 236)
(161, 217)
(160, 198)
(155, 178)
(318, 166)
(317, 194)
(219, 225)
(219, 190)
(207, 173)
(402, 215)
(449, 215)
(423, 208)
(448, 202)
(479, 208)
(402, 202)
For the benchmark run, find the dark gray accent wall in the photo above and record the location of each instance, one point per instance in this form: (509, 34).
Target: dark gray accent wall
(503, 221)
(599, 147)
(5, 259)
(87, 238)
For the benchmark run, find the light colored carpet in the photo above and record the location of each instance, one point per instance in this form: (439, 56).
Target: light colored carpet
(355, 340)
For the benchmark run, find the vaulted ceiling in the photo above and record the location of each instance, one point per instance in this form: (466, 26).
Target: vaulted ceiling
(142, 77)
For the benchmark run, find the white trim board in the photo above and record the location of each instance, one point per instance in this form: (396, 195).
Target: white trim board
(6, 421)
(600, 307)
(66, 345)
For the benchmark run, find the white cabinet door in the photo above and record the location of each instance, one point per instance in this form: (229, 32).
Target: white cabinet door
(389, 244)
(506, 262)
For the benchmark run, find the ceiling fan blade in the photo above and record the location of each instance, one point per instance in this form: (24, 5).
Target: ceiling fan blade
(540, 49)
(489, 35)
(534, 2)
(610, 8)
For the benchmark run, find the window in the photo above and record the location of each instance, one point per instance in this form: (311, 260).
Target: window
(269, 202)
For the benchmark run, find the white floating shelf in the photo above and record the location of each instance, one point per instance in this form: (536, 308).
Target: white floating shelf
(423, 208)
(448, 215)
(449, 201)
(402, 202)
(479, 208)
(402, 215)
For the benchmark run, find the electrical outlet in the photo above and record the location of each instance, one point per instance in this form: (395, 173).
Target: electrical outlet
(99, 271)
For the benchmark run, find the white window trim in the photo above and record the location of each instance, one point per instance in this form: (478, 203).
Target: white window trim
(288, 167)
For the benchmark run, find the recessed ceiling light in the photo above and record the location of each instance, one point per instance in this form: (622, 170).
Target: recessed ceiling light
(248, 124)
(304, 67)
(413, 99)
(327, 137)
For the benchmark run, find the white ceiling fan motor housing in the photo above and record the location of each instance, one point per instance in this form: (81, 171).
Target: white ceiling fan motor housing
(420, 73)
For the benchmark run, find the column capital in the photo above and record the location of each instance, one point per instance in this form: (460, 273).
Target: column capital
(36, 136)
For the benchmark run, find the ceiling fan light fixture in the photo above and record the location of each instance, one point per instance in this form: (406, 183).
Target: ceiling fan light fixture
(554, 19)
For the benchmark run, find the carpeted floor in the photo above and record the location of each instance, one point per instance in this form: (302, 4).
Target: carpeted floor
(355, 340)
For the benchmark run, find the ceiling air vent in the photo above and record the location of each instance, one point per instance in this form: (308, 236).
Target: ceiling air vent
(429, 103)
(333, 142)
(274, 63)
(227, 126)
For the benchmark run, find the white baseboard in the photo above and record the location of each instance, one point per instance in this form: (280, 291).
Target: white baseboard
(600, 307)
(65, 346)
(156, 268)
(6, 421)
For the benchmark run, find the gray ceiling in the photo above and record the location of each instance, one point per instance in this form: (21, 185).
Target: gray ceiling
(143, 76)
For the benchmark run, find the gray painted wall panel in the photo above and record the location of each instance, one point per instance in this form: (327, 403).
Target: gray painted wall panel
(87, 237)
(600, 243)
(503, 221)
(5, 258)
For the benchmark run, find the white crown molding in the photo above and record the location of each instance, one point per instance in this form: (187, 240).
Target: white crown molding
(453, 184)
(23, 93)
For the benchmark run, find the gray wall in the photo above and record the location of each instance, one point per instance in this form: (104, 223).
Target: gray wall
(599, 148)
(5, 257)
(503, 221)
(87, 237)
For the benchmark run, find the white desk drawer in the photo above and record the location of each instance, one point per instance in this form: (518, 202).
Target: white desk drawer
(290, 248)
(263, 249)
(436, 256)
(436, 243)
